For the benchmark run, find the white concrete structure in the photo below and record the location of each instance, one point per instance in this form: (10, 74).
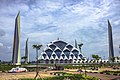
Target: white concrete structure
(16, 59)
(60, 52)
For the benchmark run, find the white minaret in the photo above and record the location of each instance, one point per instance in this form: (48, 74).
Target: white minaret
(26, 52)
(16, 44)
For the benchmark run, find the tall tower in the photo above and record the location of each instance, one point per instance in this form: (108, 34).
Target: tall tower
(76, 44)
(16, 44)
(26, 52)
(111, 50)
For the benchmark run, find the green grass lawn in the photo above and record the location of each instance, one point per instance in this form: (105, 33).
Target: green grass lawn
(4, 67)
(66, 66)
(111, 72)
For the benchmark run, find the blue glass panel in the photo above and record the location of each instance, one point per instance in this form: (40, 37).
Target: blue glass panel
(75, 52)
(69, 47)
(58, 53)
(49, 52)
(60, 44)
(52, 47)
(67, 53)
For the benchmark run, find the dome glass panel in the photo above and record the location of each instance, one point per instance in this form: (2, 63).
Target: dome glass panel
(67, 53)
(60, 44)
(58, 53)
(52, 47)
(49, 52)
(69, 47)
(75, 52)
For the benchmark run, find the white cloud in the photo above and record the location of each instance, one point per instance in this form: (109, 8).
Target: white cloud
(1, 44)
(117, 22)
(85, 21)
(39, 34)
(48, 6)
(44, 19)
(9, 47)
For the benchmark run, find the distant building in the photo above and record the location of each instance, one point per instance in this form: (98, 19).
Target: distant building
(26, 52)
(110, 39)
(16, 44)
(58, 52)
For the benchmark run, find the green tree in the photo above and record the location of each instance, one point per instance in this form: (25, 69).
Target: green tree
(24, 57)
(95, 56)
(113, 59)
(37, 47)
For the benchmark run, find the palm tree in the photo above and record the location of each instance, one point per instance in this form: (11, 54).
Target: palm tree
(37, 47)
(24, 57)
(80, 45)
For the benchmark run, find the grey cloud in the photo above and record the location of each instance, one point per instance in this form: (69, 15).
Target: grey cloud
(61, 18)
(2, 32)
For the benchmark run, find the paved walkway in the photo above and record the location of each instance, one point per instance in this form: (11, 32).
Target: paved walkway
(104, 76)
(98, 75)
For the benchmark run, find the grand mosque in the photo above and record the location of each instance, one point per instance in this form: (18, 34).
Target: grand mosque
(59, 51)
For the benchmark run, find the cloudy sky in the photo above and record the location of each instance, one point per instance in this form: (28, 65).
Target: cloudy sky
(45, 20)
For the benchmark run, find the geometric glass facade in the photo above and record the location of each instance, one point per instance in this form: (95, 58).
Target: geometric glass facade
(59, 52)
